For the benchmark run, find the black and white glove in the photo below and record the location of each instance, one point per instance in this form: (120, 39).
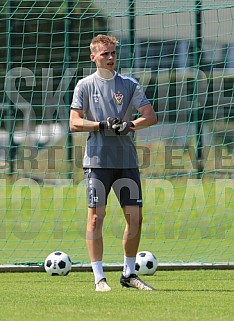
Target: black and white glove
(123, 127)
(109, 123)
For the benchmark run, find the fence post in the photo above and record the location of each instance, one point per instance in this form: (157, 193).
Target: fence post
(197, 61)
(69, 142)
(8, 87)
(131, 32)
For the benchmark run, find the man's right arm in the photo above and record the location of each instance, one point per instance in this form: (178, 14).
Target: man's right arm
(78, 124)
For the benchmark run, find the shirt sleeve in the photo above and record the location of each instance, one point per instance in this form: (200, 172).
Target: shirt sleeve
(139, 98)
(77, 100)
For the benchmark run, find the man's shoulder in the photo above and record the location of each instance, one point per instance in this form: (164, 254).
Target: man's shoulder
(86, 80)
(126, 78)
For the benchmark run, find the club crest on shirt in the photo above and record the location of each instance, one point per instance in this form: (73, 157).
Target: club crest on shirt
(118, 97)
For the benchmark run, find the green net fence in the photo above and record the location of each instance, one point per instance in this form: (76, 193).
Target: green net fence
(182, 52)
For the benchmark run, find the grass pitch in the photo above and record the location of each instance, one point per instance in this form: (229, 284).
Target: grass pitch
(180, 296)
(184, 221)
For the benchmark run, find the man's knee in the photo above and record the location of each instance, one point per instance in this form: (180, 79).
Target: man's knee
(96, 219)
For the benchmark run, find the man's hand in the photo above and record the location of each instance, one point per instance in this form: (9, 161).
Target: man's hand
(109, 123)
(118, 126)
(123, 127)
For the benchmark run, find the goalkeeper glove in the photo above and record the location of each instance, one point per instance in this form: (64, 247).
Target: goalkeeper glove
(109, 123)
(123, 127)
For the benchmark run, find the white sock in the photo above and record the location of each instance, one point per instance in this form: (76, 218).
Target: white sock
(97, 271)
(129, 266)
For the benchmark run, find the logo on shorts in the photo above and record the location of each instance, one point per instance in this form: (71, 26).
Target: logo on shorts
(118, 97)
(95, 199)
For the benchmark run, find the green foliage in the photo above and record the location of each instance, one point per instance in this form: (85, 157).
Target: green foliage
(46, 34)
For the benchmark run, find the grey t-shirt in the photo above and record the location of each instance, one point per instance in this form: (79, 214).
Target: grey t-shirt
(100, 98)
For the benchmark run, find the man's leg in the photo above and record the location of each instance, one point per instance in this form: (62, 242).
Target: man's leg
(132, 233)
(131, 237)
(94, 238)
(94, 241)
(131, 241)
(97, 190)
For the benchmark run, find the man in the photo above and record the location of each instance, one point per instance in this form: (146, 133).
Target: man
(103, 105)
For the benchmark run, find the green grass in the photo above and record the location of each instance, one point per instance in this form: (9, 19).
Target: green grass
(180, 296)
(184, 221)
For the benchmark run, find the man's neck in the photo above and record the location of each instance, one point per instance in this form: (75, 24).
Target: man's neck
(104, 73)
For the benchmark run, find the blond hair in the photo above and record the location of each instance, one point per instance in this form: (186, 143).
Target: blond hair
(104, 40)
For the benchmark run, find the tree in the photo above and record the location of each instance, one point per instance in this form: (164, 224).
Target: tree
(46, 34)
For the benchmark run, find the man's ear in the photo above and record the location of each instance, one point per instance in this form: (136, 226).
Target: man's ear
(92, 57)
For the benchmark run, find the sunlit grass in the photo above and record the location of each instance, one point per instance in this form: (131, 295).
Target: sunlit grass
(184, 220)
(179, 296)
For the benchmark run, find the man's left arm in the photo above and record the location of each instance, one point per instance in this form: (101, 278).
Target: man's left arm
(148, 117)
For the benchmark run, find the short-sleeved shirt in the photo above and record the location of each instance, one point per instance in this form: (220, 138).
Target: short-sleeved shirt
(99, 98)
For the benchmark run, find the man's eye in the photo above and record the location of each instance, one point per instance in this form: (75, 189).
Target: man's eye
(109, 53)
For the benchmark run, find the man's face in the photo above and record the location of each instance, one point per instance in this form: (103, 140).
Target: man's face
(105, 57)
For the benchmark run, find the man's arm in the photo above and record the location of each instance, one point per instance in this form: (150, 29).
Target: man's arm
(78, 124)
(147, 118)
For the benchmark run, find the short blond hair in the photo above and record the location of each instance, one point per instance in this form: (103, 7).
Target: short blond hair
(104, 40)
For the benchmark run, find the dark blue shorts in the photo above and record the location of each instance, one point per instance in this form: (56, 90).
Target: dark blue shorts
(125, 183)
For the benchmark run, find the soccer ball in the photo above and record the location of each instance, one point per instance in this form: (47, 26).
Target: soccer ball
(58, 263)
(146, 263)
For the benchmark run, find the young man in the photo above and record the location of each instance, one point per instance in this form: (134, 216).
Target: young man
(103, 105)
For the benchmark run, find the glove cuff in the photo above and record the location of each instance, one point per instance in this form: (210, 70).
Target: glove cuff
(130, 124)
(101, 125)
